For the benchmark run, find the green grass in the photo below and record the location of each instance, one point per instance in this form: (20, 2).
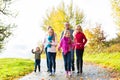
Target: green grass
(11, 68)
(111, 60)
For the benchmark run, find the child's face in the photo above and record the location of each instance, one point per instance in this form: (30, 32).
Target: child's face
(37, 49)
(67, 34)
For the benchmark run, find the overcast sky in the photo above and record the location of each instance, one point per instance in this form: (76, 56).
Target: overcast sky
(31, 12)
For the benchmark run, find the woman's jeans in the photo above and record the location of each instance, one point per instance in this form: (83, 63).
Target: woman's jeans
(47, 58)
(79, 59)
(52, 61)
(72, 60)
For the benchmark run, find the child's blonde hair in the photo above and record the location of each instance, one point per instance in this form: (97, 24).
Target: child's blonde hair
(38, 48)
(66, 31)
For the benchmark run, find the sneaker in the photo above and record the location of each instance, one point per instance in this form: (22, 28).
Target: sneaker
(48, 71)
(50, 74)
(66, 74)
(53, 73)
(78, 73)
(73, 71)
(69, 73)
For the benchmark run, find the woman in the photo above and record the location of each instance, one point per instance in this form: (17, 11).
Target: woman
(51, 41)
(44, 47)
(80, 41)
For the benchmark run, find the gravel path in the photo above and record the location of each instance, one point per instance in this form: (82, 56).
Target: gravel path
(90, 72)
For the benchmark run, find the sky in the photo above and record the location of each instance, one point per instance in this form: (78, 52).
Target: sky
(29, 33)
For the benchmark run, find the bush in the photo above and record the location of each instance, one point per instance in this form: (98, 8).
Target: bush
(113, 48)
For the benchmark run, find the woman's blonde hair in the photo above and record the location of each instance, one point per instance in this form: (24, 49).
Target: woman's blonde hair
(76, 27)
(53, 34)
(80, 28)
(66, 31)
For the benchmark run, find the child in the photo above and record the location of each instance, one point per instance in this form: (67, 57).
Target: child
(37, 53)
(66, 45)
(79, 40)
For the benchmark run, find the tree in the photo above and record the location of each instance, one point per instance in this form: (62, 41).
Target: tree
(57, 16)
(5, 29)
(116, 15)
(116, 11)
(96, 39)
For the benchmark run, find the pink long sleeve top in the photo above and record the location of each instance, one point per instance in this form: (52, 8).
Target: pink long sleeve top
(66, 44)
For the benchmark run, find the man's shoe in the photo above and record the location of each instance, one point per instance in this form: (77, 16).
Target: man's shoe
(50, 74)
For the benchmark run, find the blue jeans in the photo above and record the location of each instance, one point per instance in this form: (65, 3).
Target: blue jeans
(37, 63)
(67, 61)
(47, 58)
(79, 60)
(72, 60)
(52, 61)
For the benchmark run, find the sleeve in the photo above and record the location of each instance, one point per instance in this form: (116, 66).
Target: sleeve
(61, 35)
(85, 39)
(40, 52)
(33, 52)
(60, 44)
(44, 41)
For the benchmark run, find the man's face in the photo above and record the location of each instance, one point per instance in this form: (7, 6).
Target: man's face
(67, 26)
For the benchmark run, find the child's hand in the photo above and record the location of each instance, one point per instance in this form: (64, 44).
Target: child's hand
(32, 50)
(58, 49)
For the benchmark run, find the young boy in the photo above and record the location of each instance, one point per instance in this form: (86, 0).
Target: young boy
(37, 53)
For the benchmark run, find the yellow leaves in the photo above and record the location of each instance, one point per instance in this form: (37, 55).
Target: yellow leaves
(61, 14)
(88, 34)
(116, 11)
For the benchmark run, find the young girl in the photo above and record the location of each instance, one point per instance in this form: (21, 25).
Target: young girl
(66, 45)
(37, 53)
(79, 40)
(51, 50)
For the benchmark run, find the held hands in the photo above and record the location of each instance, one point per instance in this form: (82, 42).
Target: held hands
(59, 49)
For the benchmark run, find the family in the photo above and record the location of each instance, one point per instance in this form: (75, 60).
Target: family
(71, 41)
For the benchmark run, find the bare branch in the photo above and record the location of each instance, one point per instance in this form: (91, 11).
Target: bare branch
(3, 12)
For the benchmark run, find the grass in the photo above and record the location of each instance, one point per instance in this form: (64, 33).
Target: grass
(11, 68)
(111, 60)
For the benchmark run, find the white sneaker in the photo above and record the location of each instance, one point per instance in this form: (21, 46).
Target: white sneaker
(53, 73)
(66, 74)
(50, 74)
(69, 73)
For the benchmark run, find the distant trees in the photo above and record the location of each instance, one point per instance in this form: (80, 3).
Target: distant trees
(57, 16)
(116, 11)
(96, 39)
(96, 36)
(115, 43)
(5, 29)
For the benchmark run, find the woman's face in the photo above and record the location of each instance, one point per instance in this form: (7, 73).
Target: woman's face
(78, 29)
(51, 32)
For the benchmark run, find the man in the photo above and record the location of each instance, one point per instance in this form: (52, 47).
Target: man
(67, 27)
